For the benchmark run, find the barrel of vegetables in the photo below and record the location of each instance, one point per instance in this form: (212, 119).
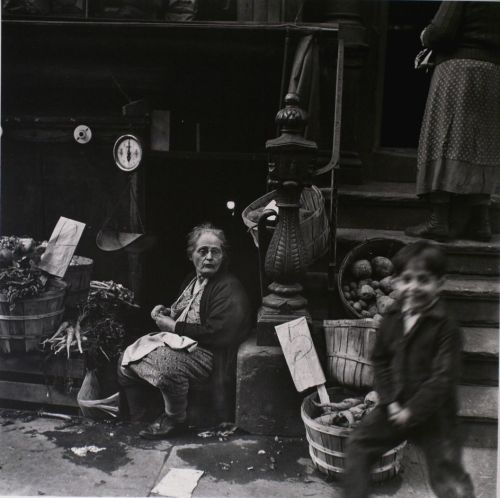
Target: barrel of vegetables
(78, 277)
(32, 319)
(349, 345)
(327, 444)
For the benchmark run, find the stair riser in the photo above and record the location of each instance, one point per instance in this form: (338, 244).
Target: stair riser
(479, 371)
(473, 311)
(389, 216)
(487, 263)
(470, 311)
(479, 434)
(474, 264)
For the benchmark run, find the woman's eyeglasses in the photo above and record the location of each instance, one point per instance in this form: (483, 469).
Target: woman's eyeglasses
(215, 251)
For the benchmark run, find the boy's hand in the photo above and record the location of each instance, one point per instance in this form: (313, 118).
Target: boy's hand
(393, 408)
(401, 418)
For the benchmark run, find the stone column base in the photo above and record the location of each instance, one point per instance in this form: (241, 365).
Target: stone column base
(267, 402)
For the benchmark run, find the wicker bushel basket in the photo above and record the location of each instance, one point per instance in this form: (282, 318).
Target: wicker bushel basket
(313, 219)
(33, 319)
(349, 345)
(366, 250)
(78, 277)
(327, 444)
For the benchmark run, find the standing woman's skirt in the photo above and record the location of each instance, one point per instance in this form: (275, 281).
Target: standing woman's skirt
(459, 148)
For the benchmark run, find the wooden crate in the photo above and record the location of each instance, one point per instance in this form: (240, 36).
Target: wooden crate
(29, 379)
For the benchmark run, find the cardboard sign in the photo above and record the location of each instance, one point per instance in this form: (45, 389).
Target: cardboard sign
(300, 354)
(61, 247)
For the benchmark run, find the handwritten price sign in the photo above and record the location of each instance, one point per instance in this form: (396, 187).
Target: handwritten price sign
(61, 246)
(300, 354)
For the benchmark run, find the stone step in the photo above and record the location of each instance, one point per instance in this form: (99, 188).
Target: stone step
(473, 300)
(464, 256)
(390, 206)
(480, 350)
(480, 363)
(479, 414)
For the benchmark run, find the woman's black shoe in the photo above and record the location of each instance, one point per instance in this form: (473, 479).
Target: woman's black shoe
(163, 428)
(436, 227)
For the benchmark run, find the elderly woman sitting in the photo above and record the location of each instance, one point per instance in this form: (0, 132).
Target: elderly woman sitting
(200, 333)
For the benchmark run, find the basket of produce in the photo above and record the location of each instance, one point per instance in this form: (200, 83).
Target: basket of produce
(328, 428)
(364, 279)
(313, 220)
(98, 332)
(78, 276)
(349, 346)
(31, 305)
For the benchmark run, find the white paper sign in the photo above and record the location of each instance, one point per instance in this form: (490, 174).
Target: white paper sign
(178, 483)
(61, 247)
(300, 354)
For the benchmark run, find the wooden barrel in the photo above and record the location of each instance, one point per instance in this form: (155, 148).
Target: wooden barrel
(349, 346)
(327, 444)
(31, 320)
(78, 278)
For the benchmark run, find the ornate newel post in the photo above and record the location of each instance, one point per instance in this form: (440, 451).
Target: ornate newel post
(287, 258)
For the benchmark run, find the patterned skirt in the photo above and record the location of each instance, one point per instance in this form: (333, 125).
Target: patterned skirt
(459, 148)
(165, 367)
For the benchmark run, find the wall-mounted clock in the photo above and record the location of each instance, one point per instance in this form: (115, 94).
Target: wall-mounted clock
(127, 152)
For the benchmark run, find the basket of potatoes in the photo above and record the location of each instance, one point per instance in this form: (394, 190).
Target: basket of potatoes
(364, 279)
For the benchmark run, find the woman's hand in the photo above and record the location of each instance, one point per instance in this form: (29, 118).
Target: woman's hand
(159, 310)
(165, 323)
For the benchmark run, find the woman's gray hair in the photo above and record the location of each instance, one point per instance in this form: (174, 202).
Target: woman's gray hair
(199, 230)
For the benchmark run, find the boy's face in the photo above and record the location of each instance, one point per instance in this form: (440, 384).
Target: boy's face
(417, 286)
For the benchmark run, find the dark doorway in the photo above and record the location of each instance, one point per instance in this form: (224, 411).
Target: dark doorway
(405, 89)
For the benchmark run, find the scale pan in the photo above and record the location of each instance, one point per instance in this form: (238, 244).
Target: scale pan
(111, 240)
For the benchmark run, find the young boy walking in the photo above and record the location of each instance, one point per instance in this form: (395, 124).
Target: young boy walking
(417, 365)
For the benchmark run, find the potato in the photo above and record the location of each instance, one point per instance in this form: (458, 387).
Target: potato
(365, 313)
(386, 285)
(378, 317)
(375, 284)
(372, 310)
(379, 292)
(394, 294)
(347, 295)
(384, 303)
(363, 304)
(361, 269)
(366, 293)
(353, 285)
(357, 306)
(382, 267)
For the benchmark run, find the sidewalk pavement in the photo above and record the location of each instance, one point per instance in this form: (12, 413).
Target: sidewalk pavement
(37, 459)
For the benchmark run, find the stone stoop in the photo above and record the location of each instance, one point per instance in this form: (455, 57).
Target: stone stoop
(391, 206)
(472, 293)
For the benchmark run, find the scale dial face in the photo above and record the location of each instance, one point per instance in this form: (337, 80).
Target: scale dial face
(128, 152)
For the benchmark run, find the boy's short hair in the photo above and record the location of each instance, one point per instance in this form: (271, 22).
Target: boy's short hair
(427, 254)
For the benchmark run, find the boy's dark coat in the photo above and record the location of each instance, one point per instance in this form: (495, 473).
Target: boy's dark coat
(420, 370)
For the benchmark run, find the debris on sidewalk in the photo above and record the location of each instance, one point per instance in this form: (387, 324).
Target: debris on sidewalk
(223, 431)
(85, 450)
(178, 483)
(60, 416)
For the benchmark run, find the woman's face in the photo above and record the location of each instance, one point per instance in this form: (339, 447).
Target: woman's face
(207, 256)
